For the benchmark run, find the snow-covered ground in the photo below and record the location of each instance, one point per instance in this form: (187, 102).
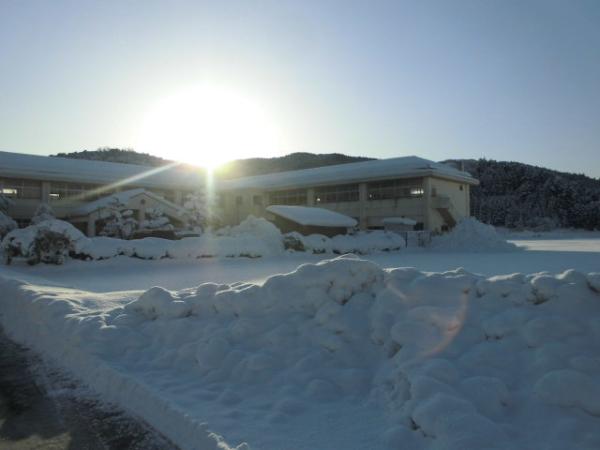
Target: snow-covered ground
(338, 354)
(124, 273)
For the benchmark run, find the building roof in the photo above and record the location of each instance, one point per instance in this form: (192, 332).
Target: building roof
(19, 165)
(402, 167)
(124, 198)
(308, 216)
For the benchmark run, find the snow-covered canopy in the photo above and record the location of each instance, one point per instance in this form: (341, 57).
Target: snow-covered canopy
(399, 221)
(319, 217)
(403, 167)
(123, 197)
(97, 172)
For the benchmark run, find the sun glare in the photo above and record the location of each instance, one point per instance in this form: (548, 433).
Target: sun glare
(208, 126)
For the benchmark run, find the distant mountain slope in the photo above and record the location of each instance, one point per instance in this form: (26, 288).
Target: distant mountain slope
(118, 155)
(511, 194)
(293, 161)
(517, 195)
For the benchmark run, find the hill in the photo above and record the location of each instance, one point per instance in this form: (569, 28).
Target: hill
(511, 194)
(293, 161)
(126, 156)
(518, 195)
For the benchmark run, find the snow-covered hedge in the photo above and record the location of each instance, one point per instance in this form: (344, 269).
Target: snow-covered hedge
(252, 238)
(340, 354)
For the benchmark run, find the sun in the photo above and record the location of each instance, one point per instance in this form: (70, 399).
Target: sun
(207, 126)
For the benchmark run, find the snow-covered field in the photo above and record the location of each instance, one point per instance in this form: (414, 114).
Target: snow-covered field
(338, 354)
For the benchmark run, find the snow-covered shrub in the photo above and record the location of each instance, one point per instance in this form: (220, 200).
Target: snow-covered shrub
(43, 212)
(155, 220)
(120, 222)
(5, 203)
(49, 241)
(293, 241)
(470, 235)
(6, 224)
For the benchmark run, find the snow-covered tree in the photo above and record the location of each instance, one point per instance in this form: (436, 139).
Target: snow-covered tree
(199, 211)
(5, 202)
(6, 222)
(120, 222)
(156, 220)
(43, 212)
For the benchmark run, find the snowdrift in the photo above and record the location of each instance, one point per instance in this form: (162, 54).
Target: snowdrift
(338, 355)
(470, 235)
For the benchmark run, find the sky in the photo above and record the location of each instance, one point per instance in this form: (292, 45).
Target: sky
(505, 80)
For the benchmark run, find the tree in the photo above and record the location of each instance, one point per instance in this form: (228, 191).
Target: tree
(120, 222)
(199, 211)
(43, 212)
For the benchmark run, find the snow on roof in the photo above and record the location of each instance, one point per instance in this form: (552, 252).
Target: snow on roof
(318, 217)
(399, 221)
(97, 172)
(122, 197)
(403, 167)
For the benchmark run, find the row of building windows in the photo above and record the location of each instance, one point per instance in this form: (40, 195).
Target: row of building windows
(290, 197)
(32, 189)
(25, 189)
(391, 189)
(379, 190)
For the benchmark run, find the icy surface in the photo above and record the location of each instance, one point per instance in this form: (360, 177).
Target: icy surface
(338, 355)
(305, 215)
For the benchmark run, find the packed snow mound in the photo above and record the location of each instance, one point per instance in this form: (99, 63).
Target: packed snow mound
(340, 354)
(470, 235)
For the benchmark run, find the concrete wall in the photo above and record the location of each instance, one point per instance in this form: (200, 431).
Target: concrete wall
(368, 213)
(459, 201)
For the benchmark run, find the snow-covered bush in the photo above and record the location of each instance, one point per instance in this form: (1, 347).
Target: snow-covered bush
(155, 220)
(43, 212)
(470, 235)
(6, 224)
(49, 241)
(120, 222)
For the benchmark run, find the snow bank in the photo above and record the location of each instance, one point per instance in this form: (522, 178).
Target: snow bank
(340, 354)
(470, 235)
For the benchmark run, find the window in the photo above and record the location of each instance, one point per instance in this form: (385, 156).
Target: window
(337, 194)
(460, 187)
(392, 189)
(257, 200)
(25, 189)
(290, 197)
(239, 200)
(60, 191)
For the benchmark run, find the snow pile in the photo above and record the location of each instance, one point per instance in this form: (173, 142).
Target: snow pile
(340, 354)
(361, 243)
(470, 235)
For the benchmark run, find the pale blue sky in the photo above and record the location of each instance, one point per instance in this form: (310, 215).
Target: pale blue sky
(508, 80)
